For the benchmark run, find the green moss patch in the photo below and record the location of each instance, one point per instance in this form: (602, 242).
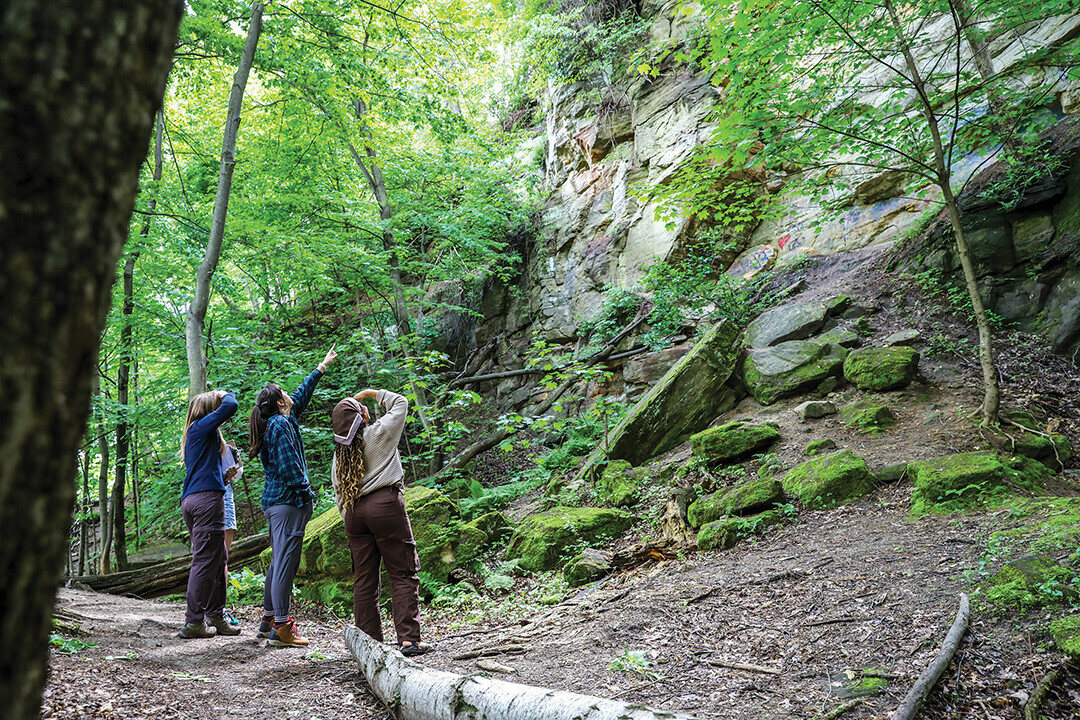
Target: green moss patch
(727, 532)
(620, 485)
(1066, 634)
(789, 368)
(881, 368)
(731, 441)
(584, 568)
(819, 447)
(1030, 582)
(829, 480)
(542, 540)
(745, 498)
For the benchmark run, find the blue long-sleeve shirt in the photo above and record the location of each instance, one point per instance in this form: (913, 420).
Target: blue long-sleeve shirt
(202, 451)
(282, 453)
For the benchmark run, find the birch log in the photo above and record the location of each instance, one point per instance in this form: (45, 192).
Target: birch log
(410, 690)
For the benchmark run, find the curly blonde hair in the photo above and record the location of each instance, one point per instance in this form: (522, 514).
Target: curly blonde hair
(350, 471)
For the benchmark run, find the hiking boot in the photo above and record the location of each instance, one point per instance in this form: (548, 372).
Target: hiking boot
(223, 626)
(265, 626)
(228, 616)
(194, 630)
(284, 635)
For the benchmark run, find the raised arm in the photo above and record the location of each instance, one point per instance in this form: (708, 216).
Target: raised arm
(218, 418)
(302, 396)
(397, 409)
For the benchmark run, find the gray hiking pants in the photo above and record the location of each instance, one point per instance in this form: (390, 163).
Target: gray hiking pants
(287, 524)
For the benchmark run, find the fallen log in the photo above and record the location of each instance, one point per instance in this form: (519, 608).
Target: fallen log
(170, 576)
(914, 700)
(410, 690)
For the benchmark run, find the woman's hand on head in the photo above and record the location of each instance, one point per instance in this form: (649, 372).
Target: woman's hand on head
(331, 356)
(364, 394)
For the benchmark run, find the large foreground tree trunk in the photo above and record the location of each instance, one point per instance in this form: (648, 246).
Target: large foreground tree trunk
(80, 81)
(415, 692)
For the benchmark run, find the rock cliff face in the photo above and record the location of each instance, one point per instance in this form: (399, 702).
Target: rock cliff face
(603, 152)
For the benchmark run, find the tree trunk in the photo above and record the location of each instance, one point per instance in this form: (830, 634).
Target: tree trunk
(127, 359)
(412, 691)
(171, 576)
(373, 174)
(104, 518)
(991, 393)
(80, 81)
(196, 318)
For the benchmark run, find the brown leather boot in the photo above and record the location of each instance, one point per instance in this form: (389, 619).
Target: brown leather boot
(285, 635)
(196, 630)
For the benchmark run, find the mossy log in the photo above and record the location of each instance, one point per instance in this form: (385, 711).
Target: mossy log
(412, 691)
(170, 576)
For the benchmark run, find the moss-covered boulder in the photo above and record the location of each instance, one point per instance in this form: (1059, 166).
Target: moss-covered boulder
(829, 480)
(1022, 435)
(620, 485)
(1030, 582)
(869, 417)
(881, 368)
(326, 551)
(790, 368)
(819, 447)
(731, 441)
(728, 531)
(746, 498)
(493, 524)
(957, 482)
(434, 518)
(541, 541)
(585, 567)
(1066, 634)
(689, 397)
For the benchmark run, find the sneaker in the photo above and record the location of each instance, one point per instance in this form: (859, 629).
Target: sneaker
(228, 616)
(222, 625)
(196, 630)
(265, 626)
(283, 635)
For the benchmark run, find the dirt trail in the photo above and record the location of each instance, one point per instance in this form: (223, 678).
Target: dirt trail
(843, 590)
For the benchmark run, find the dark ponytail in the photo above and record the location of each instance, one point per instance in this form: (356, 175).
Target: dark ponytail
(266, 404)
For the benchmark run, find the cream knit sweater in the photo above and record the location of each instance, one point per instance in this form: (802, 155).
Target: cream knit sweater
(382, 461)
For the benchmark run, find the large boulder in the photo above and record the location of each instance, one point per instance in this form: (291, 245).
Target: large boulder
(746, 498)
(790, 322)
(829, 480)
(881, 368)
(542, 541)
(954, 482)
(790, 368)
(731, 441)
(690, 396)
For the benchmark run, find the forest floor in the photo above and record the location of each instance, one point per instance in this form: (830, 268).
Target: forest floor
(842, 591)
(806, 607)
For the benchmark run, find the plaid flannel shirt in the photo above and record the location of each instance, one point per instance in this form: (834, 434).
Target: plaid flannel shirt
(282, 453)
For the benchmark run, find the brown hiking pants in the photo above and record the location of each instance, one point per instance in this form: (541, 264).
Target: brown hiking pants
(378, 529)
